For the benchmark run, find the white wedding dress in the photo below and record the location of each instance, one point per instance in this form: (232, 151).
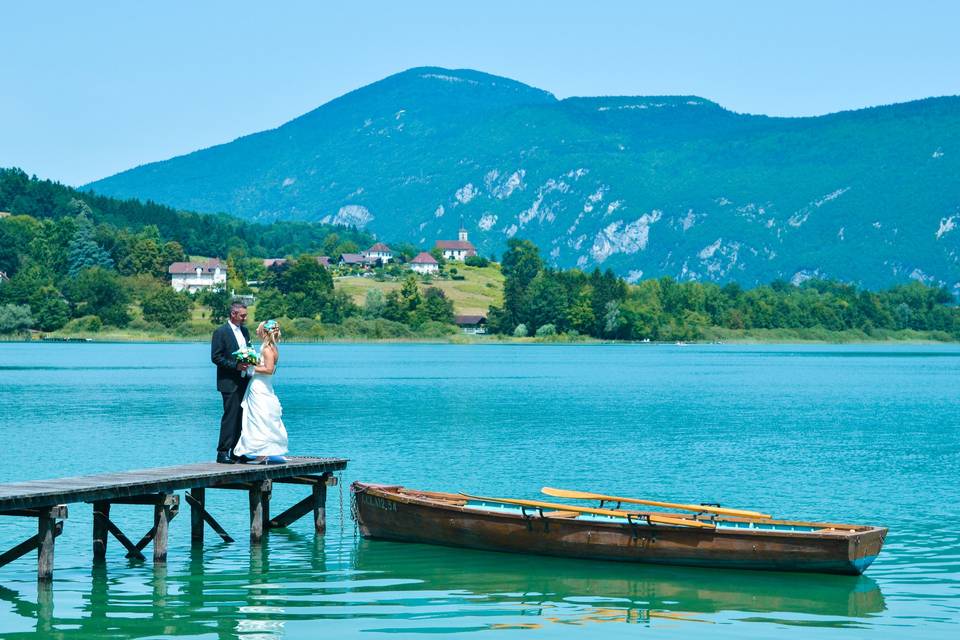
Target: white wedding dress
(262, 432)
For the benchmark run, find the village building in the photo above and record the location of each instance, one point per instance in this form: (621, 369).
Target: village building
(353, 260)
(459, 249)
(3, 276)
(379, 251)
(424, 263)
(472, 324)
(197, 276)
(274, 262)
(323, 261)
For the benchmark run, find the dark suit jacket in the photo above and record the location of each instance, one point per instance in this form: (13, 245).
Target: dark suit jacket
(222, 346)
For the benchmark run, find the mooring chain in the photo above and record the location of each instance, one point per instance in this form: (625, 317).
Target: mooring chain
(355, 516)
(340, 487)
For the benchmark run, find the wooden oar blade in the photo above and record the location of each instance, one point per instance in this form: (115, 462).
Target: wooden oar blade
(586, 495)
(573, 495)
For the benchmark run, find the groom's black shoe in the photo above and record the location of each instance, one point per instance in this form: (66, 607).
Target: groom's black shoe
(225, 458)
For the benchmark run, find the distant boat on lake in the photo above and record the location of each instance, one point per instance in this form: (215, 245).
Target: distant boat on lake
(706, 535)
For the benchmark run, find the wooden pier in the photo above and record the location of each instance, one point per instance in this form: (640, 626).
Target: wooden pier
(47, 500)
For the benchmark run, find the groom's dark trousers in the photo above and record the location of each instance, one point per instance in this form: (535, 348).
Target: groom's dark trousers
(230, 384)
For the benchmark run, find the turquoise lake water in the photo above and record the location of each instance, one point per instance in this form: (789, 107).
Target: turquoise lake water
(862, 434)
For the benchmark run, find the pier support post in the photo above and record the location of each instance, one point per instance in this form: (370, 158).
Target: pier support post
(197, 507)
(164, 511)
(259, 509)
(320, 507)
(46, 536)
(48, 528)
(101, 516)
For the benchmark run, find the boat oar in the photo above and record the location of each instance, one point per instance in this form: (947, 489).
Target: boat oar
(585, 495)
(653, 518)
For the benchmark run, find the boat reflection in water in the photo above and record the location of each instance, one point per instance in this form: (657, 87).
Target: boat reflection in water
(569, 591)
(358, 587)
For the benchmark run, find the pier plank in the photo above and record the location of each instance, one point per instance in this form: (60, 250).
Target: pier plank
(113, 486)
(46, 500)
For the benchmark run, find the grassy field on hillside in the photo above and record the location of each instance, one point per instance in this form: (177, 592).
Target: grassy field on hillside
(480, 288)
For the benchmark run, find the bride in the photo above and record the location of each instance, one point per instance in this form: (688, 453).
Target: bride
(263, 438)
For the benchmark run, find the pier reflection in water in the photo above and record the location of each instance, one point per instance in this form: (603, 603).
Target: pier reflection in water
(293, 582)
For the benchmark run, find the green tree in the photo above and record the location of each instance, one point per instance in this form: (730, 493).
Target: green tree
(338, 307)
(580, 313)
(374, 304)
(307, 285)
(612, 319)
(410, 294)
(136, 252)
(607, 288)
(394, 308)
(547, 302)
(167, 307)
(546, 330)
(476, 261)
(171, 252)
(23, 286)
(521, 264)
(404, 251)
(435, 307)
(16, 235)
(270, 305)
(15, 318)
(83, 251)
(437, 254)
(97, 291)
(330, 245)
(219, 301)
(49, 310)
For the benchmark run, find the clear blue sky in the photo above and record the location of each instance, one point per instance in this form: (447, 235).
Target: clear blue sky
(92, 88)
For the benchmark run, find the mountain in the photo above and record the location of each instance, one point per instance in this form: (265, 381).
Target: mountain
(648, 186)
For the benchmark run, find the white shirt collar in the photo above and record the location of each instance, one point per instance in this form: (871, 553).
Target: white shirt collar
(241, 341)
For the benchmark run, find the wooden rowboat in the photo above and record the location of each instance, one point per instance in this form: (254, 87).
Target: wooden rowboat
(391, 512)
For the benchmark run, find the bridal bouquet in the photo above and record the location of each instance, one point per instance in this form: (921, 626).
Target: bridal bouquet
(247, 355)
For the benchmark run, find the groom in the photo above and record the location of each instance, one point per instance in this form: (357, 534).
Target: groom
(231, 379)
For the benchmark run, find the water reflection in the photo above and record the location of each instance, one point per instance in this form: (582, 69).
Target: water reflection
(357, 586)
(627, 593)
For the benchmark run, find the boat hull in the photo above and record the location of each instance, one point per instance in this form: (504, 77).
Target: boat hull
(384, 513)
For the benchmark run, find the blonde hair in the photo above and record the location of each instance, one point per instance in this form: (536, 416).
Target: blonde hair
(269, 334)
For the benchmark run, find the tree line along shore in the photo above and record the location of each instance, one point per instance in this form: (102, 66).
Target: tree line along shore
(74, 264)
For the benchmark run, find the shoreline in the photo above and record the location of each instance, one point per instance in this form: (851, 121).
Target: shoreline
(905, 337)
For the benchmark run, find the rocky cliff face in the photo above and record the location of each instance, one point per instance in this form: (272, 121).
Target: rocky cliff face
(648, 186)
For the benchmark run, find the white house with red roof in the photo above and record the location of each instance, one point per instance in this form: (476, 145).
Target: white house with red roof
(424, 263)
(196, 276)
(379, 251)
(459, 249)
